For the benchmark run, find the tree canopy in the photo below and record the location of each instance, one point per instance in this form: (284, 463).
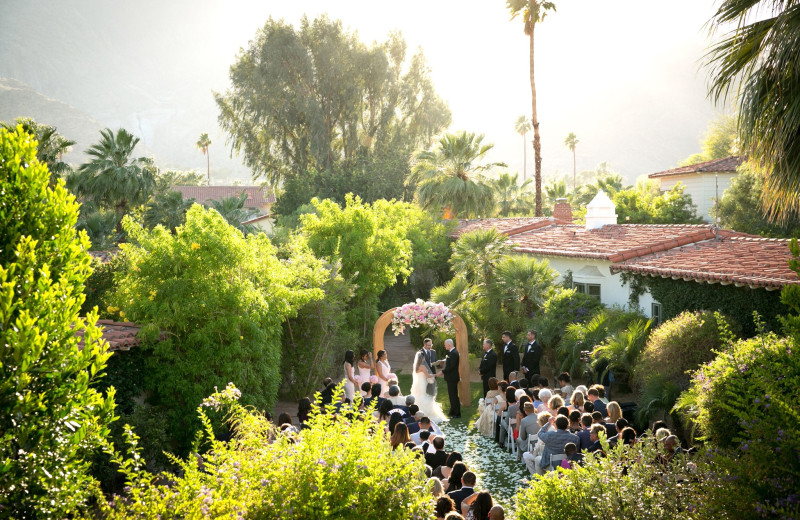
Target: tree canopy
(317, 99)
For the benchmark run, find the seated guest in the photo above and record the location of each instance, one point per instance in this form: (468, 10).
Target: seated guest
(573, 456)
(452, 515)
(512, 379)
(576, 401)
(467, 487)
(366, 390)
(384, 412)
(601, 391)
(595, 432)
(544, 397)
(400, 435)
(618, 426)
(588, 407)
(303, 411)
(443, 471)
(564, 381)
(529, 457)
(614, 411)
(411, 420)
(477, 506)
(575, 421)
(375, 396)
(444, 505)
(563, 411)
(554, 404)
(285, 423)
(594, 398)
(326, 395)
(395, 397)
(497, 513)
(627, 436)
(512, 407)
(439, 456)
(454, 480)
(528, 426)
(485, 422)
(426, 424)
(424, 437)
(584, 434)
(554, 441)
(437, 488)
(611, 429)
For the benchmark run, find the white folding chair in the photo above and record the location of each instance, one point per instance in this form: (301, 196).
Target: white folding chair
(532, 440)
(511, 443)
(489, 402)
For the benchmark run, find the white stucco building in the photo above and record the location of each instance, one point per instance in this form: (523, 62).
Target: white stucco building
(703, 182)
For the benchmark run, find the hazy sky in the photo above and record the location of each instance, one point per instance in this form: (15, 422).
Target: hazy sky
(624, 75)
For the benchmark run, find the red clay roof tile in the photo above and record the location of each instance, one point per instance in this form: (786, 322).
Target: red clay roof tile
(726, 164)
(257, 196)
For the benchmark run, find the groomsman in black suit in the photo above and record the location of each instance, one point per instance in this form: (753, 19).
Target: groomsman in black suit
(450, 374)
(488, 366)
(531, 357)
(510, 356)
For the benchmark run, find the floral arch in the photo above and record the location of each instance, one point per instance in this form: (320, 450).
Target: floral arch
(450, 320)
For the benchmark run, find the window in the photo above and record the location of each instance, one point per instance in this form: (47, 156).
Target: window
(655, 313)
(592, 289)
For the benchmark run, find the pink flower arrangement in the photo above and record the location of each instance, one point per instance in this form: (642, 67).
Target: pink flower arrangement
(421, 314)
(373, 379)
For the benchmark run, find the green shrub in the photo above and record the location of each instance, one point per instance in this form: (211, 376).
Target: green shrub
(218, 300)
(51, 416)
(744, 403)
(588, 334)
(336, 469)
(676, 347)
(620, 351)
(629, 483)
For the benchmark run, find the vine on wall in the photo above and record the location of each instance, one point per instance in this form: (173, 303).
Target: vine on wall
(739, 303)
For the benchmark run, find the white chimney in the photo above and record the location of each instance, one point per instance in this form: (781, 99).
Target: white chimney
(600, 211)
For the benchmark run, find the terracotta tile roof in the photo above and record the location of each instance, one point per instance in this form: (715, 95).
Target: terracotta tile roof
(120, 335)
(755, 262)
(256, 195)
(613, 242)
(508, 226)
(726, 164)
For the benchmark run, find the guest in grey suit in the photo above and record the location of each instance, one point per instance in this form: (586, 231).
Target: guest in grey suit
(554, 441)
(528, 426)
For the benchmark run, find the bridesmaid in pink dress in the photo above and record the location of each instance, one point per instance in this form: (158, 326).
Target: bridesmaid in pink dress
(382, 371)
(364, 368)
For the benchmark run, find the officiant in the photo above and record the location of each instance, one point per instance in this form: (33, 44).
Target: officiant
(450, 374)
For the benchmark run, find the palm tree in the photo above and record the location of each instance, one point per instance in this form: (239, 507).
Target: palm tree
(523, 126)
(451, 177)
(111, 178)
(533, 11)
(51, 148)
(203, 143)
(757, 61)
(233, 211)
(555, 190)
(510, 196)
(571, 141)
(477, 253)
(167, 209)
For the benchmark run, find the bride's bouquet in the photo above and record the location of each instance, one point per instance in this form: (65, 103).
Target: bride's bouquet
(421, 314)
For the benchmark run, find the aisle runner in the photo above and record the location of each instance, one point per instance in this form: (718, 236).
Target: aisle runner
(497, 470)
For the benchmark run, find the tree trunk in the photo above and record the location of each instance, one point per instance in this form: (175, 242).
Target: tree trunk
(537, 144)
(524, 159)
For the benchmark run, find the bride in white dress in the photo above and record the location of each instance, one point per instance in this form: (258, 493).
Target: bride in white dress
(422, 377)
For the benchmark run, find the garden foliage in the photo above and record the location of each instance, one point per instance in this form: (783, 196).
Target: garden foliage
(51, 416)
(589, 334)
(744, 404)
(629, 483)
(338, 468)
(217, 301)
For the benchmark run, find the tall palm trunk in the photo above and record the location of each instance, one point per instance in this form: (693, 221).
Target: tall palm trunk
(524, 158)
(208, 166)
(574, 170)
(537, 144)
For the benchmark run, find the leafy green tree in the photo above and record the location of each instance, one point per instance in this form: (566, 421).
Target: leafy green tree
(372, 245)
(477, 253)
(167, 209)
(571, 141)
(112, 178)
(450, 177)
(740, 207)
(645, 204)
(202, 144)
(52, 417)
(100, 226)
(522, 127)
(233, 211)
(533, 12)
(212, 329)
(757, 60)
(511, 197)
(316, 99)
(51, 146)
(166, 179)
(719, 141)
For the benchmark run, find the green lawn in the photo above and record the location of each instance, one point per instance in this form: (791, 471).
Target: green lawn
(497, 470)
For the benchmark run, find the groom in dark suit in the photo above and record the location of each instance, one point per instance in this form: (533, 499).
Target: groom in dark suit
(510, 356)
(430, 354)
(488, 366)
(450, 374)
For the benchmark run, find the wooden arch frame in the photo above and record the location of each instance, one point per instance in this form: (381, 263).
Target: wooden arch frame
(461, 344)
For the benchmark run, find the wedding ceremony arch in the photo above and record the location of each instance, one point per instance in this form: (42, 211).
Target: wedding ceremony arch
(461, 338)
